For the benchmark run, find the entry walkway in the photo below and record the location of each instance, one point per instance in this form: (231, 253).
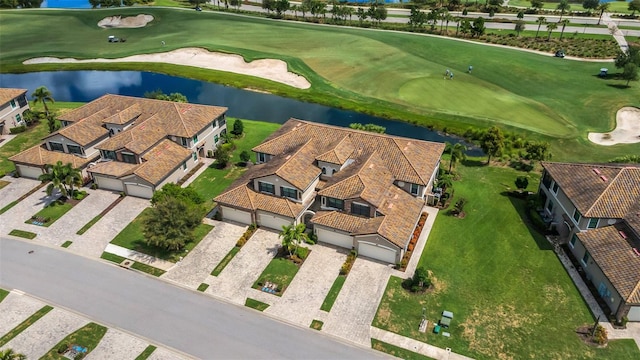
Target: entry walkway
(615, 31)
(415, 345)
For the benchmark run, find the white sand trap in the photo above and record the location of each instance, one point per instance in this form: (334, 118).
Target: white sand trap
(270, 69)
(127, 22)
(627, 129)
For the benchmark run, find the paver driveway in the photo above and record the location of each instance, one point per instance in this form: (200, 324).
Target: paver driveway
(300, 303)
(235, 281)
(357, 303)
(117, 345)
(195, 268)
(16, 308)
(17, 188)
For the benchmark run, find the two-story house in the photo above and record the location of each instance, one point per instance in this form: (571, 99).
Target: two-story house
(129, 144)
(596, 210)
(358, 190)
(13, 102)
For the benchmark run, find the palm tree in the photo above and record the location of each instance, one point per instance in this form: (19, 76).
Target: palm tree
(73, 178)
(9, 354)
(550, 28)
(564, 24)
(457, 152)
(602, 7)
(42, 94)
(292, 235)
(541, 20)
(520, 25)
(62, 177)
(563, 6)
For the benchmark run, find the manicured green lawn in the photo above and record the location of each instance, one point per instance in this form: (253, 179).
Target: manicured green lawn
(53, 212)
(25, 324)
(280, 271)
(136, 265)
(332, 295)
(225, 261)
(316, 325)
(66, 244)
(614, 6)
(213, 181)
(31, 137)
(255, 304)
(3, 294)
(557, 101)
(146, 353)
(131, 237)
(397, 352)
(23, 234)
(202, 287)
(510, 295)
(88, 336)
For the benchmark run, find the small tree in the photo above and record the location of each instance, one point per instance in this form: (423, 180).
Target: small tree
(634, 6)
(550, 28)
(630, 72)
(457, 153)
(43, 95)
(602, 7)
(245, 156)
(292, 236)
(541, 20)
(238, 127)
(223, 155)
(478, 27)
(519, 27)
(563, 6)
(492, 142)
(590, 4)
(171, 223)
(420, 280)
(176, 191)
(522, 182)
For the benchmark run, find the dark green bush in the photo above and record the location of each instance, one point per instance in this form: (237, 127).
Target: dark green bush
(18, 129)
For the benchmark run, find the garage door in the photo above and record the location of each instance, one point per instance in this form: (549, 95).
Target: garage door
(634, 313)
(29, 171)
(231, 214)
(376, 252)
(140, 191)
(273, 221)
(334, 238)
(109, 183)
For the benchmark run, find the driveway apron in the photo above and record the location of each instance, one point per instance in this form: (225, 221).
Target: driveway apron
(195, 268)
(16, 308)
(15, 217)
(356, 305)
(117, 345)
(17, 188)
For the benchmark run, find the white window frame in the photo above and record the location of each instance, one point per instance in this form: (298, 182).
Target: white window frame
(587, 256)
(575, 211)
(195, 156)
(73, 145)
(554, 188)
(184, 166)
(266, 183)
(55, 142)
(13, 104)
(290, 189)
(573, 240)
(597, 223)
(417, 189)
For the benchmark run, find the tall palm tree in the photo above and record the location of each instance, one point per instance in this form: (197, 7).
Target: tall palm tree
(541, 20)
(457, 152)
(73, 178)
(563, 6)
(550, 28)
(564, 24)
(292, 235)
(42, 94)
(602, 7)
(9, 354)
(62, 177)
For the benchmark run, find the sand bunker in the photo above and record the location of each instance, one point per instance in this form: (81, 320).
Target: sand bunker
(127, 22)
(270, 69)
(627, 129)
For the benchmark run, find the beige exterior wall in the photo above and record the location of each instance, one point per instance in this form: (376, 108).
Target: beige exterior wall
(329, 168)
(206, 137)
(278, 182)
(8, 114)
(178, 173)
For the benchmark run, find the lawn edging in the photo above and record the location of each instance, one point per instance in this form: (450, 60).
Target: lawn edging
(88, 337)
(144, 355)
(13, 203)
(93, 221)
(236, 249)
(25, 324)
(23, 234)
(332, 295)
(255, 304)
(117, 259)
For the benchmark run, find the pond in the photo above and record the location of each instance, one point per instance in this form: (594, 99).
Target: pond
(84, 86)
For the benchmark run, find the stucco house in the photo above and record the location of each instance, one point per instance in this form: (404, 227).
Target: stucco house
(357, 190)
(596, 210)
(13, 102)
(129, 144)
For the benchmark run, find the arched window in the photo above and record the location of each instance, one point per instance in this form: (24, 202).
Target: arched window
(333, 171)
(324, 170)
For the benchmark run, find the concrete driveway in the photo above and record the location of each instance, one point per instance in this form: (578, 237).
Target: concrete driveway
(300, 303)
(195, 268)
(356, 306)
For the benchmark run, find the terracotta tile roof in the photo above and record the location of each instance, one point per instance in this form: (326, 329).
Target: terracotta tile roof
(39, 156)
(598, 191)
(615, 256)
(633, 219)
(112, 168)
(241, 196)
(339, 220)
(296, 167)
(340, 153)
(408, 160)
(124, 116)
(139, 138)
(163, 159)
(86, 131)
(8, 94)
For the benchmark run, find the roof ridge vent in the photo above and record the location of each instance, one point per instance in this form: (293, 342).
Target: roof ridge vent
(636, 251)
(596, 170)
(604, 178)
(624, 236)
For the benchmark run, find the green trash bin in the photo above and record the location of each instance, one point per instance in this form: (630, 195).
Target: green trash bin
(436, 329)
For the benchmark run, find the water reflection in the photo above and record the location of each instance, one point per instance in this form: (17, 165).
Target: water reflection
(84, 86)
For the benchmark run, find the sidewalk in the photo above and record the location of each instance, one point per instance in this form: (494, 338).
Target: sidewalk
(5, 139)
(617, 33)
(139, 257)
(207, 162)
(415, 345)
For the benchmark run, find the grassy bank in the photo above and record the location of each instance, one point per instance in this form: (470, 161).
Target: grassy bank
(543, 97)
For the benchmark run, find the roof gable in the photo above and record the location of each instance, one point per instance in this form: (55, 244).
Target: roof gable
(8, 94)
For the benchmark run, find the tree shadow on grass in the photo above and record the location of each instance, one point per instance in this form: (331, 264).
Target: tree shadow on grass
(520, 206)
(473, 163)
(619, 86)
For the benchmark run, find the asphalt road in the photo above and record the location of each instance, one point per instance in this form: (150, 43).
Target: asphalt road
(185, 320)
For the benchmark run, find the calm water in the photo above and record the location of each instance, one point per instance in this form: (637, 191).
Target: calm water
(83, 86)
(67, 4)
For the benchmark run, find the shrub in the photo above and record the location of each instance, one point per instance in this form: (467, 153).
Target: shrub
(63, 348)
(600, 336)
(302, 252)
(245, 156)
(79, 356)
(94, 186)
(18, 129)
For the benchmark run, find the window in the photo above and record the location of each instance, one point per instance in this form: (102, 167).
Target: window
(129, 158)
(550, 207)
(109, 155)
(216, 139)
(585, 258)
(576, 215)
(195, 156)
(266, 187)
(214, 124)
(74, 149)
(414, 189)
(222, 121)
(183, 141)
(13, 104)
(261, 157)
(333, 171)
(324, 171)
(56, 146)
(358, 209)
(546, 179)
(289, 192)
(184, 166)
(572, 243)
(555, 187)
(593, 223)
(18, 118)
(335, 203)
(195, 139)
